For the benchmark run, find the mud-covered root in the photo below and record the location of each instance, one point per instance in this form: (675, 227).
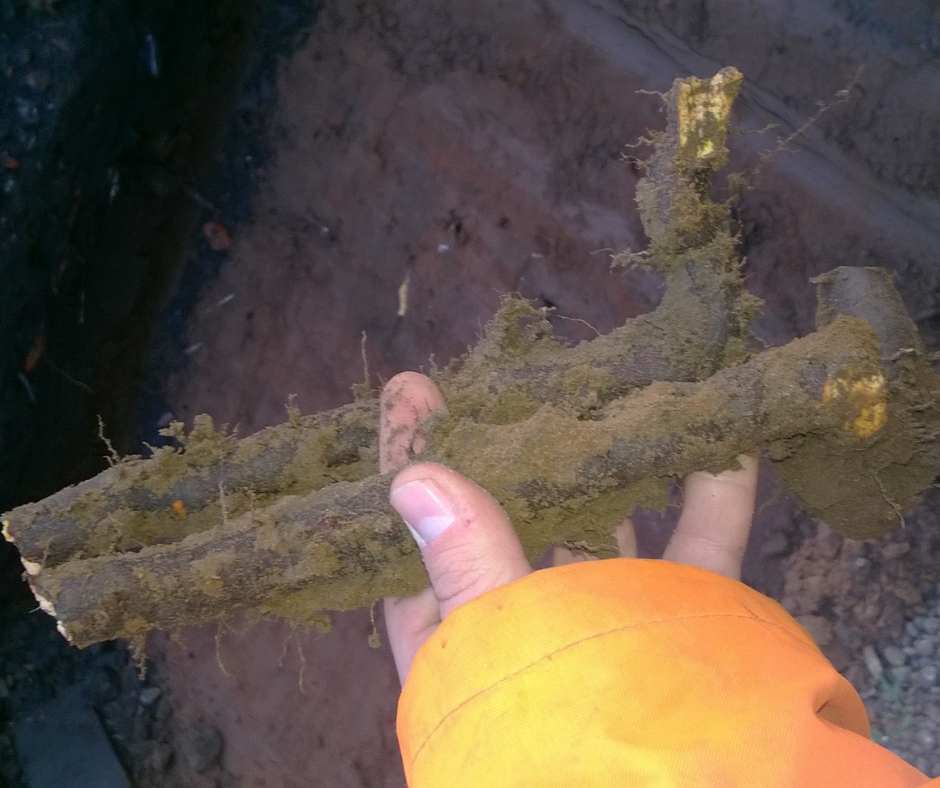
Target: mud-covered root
(209, 476)
(293, 521)
(896, 414)
(869, 293)
(205, 477)
(561, 479)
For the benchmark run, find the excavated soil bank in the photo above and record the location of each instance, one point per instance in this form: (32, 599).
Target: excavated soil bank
(109, 117)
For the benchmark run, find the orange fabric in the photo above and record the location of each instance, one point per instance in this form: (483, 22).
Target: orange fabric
(633, 673)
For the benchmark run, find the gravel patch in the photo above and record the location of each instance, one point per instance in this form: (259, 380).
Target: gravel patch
(874, 609)
(904, 697)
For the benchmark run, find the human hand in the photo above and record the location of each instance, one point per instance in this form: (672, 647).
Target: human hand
(469, 546)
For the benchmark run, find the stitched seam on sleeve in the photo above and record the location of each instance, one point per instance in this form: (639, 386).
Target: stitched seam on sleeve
(597, 635)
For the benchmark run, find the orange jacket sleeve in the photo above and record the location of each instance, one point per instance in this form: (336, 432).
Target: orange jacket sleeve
(633, 673)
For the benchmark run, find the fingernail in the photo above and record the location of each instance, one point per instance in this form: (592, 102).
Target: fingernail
(424, 508)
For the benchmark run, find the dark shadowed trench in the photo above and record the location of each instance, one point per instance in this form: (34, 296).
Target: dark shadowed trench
(210, 207)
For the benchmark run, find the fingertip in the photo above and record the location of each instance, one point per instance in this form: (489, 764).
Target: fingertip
(415, 387)
(407, 401)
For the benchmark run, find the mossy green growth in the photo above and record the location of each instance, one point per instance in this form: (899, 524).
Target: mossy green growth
(518, 330)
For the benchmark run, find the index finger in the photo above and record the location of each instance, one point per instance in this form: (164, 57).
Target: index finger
(408, 400)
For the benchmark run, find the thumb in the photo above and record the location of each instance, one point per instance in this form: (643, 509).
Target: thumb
(466, 540)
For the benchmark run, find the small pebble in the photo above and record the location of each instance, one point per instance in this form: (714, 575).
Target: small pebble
(899, 675)
(872, 662)
(28, 112)
(928, 675)
(38, 80)
(162, 711)
(202, 748)
(926, 740)
(930, 625)
(896, 550)
(819, 629)
(829, 545)
(160, 758)
(893, 655)
(925, 647)
(150, 695)
(775, 545)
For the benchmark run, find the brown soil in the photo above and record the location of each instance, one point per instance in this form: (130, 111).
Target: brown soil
(456, 152)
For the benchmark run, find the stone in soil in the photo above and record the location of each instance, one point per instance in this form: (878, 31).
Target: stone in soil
(893, 655)
(150, 695)
(201, 747)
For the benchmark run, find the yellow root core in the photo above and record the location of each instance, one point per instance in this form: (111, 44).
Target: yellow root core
(868, 400)
(704, 105)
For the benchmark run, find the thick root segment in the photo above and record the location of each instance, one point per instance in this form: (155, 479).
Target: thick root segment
(562, 478)
(294, 520)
